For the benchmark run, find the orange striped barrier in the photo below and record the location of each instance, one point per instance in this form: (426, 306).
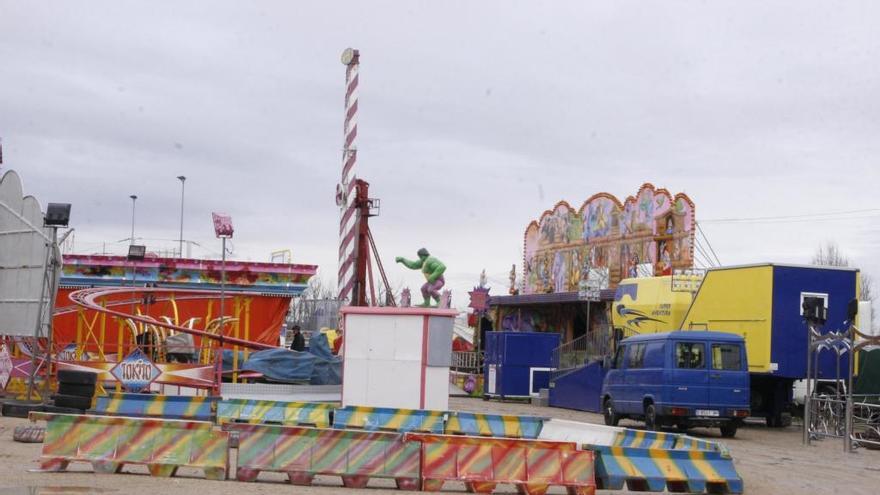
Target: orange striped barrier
(303, 452)
(109, 442)
(481, 463)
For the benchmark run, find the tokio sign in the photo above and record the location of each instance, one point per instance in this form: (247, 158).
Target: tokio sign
(136, 372)
(69, 354)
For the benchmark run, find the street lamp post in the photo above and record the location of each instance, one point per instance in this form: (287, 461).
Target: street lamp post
(133, 200)
(182, 180)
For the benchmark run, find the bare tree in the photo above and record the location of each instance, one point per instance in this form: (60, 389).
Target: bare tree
(867, 294)
(318, 288)
(829, 254)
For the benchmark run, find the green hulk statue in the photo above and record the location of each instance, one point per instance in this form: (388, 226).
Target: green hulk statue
(432, 269)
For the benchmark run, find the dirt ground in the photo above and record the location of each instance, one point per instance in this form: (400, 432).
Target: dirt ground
(770, 461)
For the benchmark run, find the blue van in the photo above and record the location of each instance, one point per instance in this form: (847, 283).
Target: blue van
(682, 378)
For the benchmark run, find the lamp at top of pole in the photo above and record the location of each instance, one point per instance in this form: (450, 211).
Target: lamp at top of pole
(350, 56)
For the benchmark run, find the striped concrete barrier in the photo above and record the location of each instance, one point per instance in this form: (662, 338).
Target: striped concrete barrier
(493, 425)
(645, 439)
(481, 463)
(303, 452)
(389, 419)
(684, 442)
(656, 469)
(108, 443)
(277, 412)
(196, 408)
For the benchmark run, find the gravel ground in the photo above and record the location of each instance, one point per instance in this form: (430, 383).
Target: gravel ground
(771, 461)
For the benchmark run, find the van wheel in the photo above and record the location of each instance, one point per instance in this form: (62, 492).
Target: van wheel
(611, 417)
(728, 430)
(651, 420)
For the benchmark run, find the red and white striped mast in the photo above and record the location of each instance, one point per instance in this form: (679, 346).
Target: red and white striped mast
(345, 192)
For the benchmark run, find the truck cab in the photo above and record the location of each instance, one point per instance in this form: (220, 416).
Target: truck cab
(682, 378)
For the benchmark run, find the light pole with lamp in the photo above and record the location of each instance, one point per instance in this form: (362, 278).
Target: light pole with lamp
(182, 180)
(133, 200)
(223, 230)
(57, 216)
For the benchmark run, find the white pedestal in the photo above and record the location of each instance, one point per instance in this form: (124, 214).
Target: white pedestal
(397, 357)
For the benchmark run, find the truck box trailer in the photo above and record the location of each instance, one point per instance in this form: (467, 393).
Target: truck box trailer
(762, 303)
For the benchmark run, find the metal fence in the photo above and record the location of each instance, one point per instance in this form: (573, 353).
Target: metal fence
(592, 346)
(866, 421)
(467, 361)
(828, 419)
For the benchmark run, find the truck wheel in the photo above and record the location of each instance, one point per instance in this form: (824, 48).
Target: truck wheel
(728, 430)
(611, 417)
(785, 420)
(651, 419)
(778, 420)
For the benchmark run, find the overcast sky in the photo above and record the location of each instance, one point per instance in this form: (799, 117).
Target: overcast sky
(474, 118)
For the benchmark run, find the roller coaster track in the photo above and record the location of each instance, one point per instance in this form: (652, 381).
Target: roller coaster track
(92, 299)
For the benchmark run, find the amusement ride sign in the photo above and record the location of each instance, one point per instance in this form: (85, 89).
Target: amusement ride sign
(5, 366)
(69, 354)
(136, 372)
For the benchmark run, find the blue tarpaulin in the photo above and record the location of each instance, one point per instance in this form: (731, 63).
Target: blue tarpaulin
(316, 366)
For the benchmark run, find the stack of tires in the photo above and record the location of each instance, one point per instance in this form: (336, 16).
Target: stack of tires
(75, 389)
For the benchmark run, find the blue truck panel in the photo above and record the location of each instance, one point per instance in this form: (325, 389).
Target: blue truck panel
(788, 346)
(513, 355)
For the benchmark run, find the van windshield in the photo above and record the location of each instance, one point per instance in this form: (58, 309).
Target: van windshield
(690, 355)
(726, 357)
(618, 357)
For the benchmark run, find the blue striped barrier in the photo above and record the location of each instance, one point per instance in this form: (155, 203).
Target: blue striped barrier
(684, 442)
(645, 439)
(389, 419)
(270, 411)
(196, 408)
(493, 425)
(655, 469)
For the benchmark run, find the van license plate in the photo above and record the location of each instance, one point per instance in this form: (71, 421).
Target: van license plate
(707, 412)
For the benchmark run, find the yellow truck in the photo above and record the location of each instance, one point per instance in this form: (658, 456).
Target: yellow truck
(762, 303)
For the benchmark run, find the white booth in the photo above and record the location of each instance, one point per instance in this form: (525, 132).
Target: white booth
(397, 357)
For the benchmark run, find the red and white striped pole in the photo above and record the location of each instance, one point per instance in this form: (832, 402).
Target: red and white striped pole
(345, 191)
